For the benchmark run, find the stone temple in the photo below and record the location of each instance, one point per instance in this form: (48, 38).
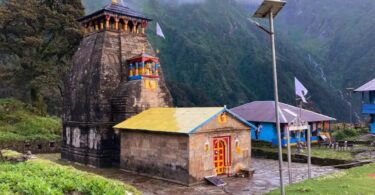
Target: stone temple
(114, 75)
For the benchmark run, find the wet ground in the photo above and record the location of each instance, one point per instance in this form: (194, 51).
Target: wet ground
(266, 178)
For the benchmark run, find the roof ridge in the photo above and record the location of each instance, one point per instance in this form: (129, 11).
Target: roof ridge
(119, 9)
(359, 89)
(306, 110)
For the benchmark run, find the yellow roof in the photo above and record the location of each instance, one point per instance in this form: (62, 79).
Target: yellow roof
(172, 120)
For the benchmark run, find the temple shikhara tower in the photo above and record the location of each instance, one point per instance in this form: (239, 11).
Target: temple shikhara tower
(114, 75)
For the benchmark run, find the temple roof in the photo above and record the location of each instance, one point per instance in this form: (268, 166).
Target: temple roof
(370, 86)
(264, 111)
(119, 9)
(174, 120)
(143, 55)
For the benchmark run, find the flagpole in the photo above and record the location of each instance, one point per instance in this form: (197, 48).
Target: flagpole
(308, 140)
(309, 152)
(289, 156)
(302, 91)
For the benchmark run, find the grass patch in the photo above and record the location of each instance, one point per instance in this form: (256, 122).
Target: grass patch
(352, 181)
(45, 177)
(10, 153)
(19, 122)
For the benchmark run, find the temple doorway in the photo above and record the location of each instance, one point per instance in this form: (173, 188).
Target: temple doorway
(221, 154)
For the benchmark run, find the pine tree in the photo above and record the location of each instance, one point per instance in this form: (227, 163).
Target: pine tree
(43, 36)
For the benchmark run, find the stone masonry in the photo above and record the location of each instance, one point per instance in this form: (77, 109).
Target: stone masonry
(99, 95)
(182, 158)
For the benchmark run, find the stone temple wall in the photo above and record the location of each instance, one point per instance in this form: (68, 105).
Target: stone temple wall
(202, 161)
(98, 96)
(157, 155)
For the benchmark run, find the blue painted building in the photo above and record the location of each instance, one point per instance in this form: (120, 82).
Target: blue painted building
(262, 113)
(368, 107)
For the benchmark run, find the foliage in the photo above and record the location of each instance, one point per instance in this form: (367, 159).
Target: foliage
(19, 121)
(349, 134)
(352, 181)
(45, 177)
(42, 35)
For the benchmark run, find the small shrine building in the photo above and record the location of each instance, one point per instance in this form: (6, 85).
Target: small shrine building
(184, 145)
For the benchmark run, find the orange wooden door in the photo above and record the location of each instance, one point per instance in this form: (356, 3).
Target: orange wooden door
(219, 156)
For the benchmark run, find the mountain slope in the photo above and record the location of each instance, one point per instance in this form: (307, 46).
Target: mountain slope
(339, 35)
(338, 32)
(214, 56)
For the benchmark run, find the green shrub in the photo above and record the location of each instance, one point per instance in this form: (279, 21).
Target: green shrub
(349, 134)
(45, 177)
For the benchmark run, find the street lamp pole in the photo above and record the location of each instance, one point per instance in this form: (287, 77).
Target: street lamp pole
(271, 8)
(277, 115)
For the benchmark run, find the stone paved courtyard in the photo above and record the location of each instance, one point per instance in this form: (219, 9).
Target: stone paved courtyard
(265, 179)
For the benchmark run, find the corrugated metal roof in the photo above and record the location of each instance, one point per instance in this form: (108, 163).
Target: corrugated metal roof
(117, 8)
(175, 120)
(370, 86)
(264, 111)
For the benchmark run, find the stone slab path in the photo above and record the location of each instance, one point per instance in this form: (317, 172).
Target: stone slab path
(266, 178)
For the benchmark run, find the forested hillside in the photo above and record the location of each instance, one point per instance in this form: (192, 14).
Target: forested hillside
(37, 40)
(339, 33)
(339, 37)
(214, 56)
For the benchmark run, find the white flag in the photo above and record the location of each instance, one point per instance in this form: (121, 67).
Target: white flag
(159, 32)
(301, 90)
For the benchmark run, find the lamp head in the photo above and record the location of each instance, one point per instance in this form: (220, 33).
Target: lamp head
(268, 6)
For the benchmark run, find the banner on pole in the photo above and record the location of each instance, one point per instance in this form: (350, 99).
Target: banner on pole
(159, 31)
(301, 90)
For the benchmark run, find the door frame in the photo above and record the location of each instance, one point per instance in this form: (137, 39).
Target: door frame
(227, 151)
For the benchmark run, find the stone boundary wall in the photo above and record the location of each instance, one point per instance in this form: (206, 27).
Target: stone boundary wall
(299, 158)
(36, 147)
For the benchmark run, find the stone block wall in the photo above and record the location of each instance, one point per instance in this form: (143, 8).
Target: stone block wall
(93, 101)
(202, 161)
(157, 155)
(36, 147)
(88, 144)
